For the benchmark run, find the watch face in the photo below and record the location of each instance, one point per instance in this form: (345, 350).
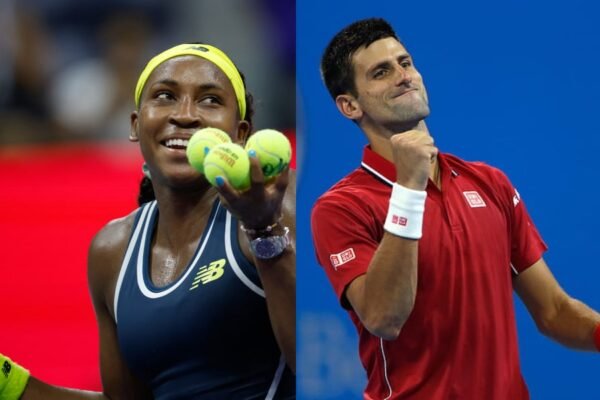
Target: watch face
(269, 247)
(266, 249)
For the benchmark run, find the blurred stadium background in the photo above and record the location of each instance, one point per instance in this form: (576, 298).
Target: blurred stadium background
(67, 77)
(512, 83)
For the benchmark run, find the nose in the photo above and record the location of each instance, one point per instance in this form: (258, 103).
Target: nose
(402, 76)
(185, 114)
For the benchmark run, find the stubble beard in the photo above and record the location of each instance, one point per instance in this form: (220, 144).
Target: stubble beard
(405, 118)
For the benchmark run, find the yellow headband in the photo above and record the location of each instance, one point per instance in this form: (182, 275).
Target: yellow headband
(210, 53)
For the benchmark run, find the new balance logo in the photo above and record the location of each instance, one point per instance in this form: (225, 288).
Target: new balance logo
(209, 273)
(342, 258)
(6, 369)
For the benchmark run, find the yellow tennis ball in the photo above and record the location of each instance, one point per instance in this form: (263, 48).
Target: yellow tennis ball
(200, 144)
(273, 150)
(230, 161)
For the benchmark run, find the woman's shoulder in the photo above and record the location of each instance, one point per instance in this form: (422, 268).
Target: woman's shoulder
(105, 256)
(113, 237)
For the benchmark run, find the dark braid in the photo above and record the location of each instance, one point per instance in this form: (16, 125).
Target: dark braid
(146, 193)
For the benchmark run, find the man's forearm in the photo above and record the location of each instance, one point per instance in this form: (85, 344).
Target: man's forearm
(390, 286)
(573, 325)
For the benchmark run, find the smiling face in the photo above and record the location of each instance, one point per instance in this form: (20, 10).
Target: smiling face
(182, 95)
(390, 94)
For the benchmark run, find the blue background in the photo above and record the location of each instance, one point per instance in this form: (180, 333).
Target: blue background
(515, 84)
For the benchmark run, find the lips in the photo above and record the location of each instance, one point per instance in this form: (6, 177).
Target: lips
(404, 92)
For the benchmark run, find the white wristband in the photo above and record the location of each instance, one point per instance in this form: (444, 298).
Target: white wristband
(405, 213)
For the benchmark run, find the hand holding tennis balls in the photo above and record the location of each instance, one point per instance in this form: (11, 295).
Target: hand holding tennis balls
(255, 186)
(273, 150)
(200, 144)
(211, 153)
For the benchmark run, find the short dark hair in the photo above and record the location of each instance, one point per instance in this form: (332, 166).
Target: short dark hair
(336, 64)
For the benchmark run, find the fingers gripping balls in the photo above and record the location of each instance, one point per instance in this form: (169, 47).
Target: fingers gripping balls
(273, 150)
(211, 152)
(200, 144)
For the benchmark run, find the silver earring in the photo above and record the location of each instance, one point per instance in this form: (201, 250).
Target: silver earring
(146, 171)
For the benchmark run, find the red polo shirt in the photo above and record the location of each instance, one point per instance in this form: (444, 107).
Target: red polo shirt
(460, 340)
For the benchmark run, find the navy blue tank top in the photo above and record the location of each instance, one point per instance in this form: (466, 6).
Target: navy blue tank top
(207, 335)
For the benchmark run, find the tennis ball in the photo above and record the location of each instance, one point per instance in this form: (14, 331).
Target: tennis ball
(230, 161)
(200, 144)
(273, 150)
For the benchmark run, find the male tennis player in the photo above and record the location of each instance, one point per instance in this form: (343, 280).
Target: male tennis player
(423, 248)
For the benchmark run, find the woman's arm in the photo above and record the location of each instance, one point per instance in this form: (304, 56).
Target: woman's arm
(104, 260)
(263, 205)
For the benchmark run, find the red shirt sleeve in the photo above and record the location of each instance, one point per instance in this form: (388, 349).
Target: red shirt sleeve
(344, 240)
(527, 245)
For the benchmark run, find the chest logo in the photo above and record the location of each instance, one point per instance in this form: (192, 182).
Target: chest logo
(474, 199)
(342, 258)
(209, 273)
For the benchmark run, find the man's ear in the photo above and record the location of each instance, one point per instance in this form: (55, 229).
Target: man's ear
(133, 131)
(243, 131)
(348, 106)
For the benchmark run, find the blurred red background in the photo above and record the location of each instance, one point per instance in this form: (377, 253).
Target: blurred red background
(54, 201)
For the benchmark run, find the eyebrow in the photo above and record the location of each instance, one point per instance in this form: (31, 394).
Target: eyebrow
(168, 82)
(386, 63)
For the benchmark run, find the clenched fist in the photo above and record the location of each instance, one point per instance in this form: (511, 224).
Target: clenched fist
(413, 152)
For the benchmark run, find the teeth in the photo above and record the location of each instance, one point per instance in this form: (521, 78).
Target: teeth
(177, 143)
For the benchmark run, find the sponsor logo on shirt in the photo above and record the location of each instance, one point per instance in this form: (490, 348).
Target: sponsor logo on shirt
(474, 199)
(516, 198)
(342, 258)
(209, 273)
